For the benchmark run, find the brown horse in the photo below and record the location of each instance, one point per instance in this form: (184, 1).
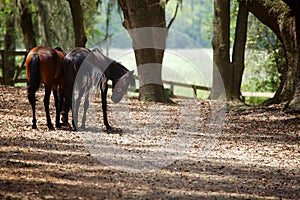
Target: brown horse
(44, 64)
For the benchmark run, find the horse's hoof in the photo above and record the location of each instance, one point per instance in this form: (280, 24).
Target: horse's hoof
(82, 128)
(64, 120)
(66, 123)
(58, 125)
(34, 126)
(107, 128)
(50, 126)
(113, 131)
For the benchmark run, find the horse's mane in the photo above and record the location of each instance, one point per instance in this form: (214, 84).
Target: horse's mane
(97, 49)
(120, 65)
(60, 49)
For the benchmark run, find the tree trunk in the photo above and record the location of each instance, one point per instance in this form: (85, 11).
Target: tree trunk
(222, 71)
(148, 44)
(277, 16)
(295, 102)
(27, 26)
(238, 55)
(45, 20)
(77, 17)
(227, 76)
(109, 6)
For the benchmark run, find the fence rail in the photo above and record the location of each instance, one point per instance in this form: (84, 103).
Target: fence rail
(9, 71)
(8, 79)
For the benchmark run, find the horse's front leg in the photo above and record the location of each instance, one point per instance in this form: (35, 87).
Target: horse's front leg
(46, 105)
(104, 105)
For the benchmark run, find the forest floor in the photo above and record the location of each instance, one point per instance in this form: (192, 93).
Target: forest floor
(197, 150)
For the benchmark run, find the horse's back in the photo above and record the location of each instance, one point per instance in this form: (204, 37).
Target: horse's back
(51, 64)
(73, 61)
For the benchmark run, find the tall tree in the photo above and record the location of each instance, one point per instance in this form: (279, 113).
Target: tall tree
(148, 43)
(222, 71)
(238, 54)
(227, 75)
(278, 17)
(27, 25)
(45, 13)
(77, 17)
(295, 7)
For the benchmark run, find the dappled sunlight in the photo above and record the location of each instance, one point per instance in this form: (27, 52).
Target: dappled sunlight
(248, 160)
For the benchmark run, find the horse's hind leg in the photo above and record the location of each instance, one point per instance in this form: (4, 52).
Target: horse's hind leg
(46, 105)
(75, 109)
(32, 100)
(104, 107)
(58, 103)
(86, 106)
(81, 92)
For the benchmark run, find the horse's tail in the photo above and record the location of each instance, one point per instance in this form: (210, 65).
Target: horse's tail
(35, 76)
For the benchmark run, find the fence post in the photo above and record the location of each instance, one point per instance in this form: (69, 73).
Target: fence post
(195, 90)
(172, 87)
(8, 68)
(21, 67)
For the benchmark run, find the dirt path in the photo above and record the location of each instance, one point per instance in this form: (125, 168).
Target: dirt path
(256, 156)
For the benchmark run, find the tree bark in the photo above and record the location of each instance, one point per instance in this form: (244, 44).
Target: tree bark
(277, 16)
(45, 20)
(222, 71)
(27, 26)
(227, 75)
(77, 17)
(295, 7)
(148, 44)
(238, 55)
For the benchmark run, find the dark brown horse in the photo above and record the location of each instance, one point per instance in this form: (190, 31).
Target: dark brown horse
(85, 69)
(44, 64)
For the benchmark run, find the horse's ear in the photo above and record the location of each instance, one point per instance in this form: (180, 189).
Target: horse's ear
(131, 72)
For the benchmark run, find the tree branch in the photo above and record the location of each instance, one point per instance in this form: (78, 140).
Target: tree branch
(174, 16)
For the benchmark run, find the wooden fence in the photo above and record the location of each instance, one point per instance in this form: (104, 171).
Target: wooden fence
(7, 79)
(10, 74)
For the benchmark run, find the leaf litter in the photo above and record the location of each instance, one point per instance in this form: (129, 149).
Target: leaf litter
(256, 155)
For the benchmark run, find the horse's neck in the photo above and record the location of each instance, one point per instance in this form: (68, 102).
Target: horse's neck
(114, 71)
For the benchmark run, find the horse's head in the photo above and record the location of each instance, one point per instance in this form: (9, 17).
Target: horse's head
(121, 85)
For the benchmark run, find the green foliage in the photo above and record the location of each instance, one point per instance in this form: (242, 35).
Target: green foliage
(255, 100)
(59, 26)
(99, 27)
(90, 8)
(194, 18)
(5, 10)
(264, 59)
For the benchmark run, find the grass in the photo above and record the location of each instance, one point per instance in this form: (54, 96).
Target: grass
(188, 66)
(255, 100)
